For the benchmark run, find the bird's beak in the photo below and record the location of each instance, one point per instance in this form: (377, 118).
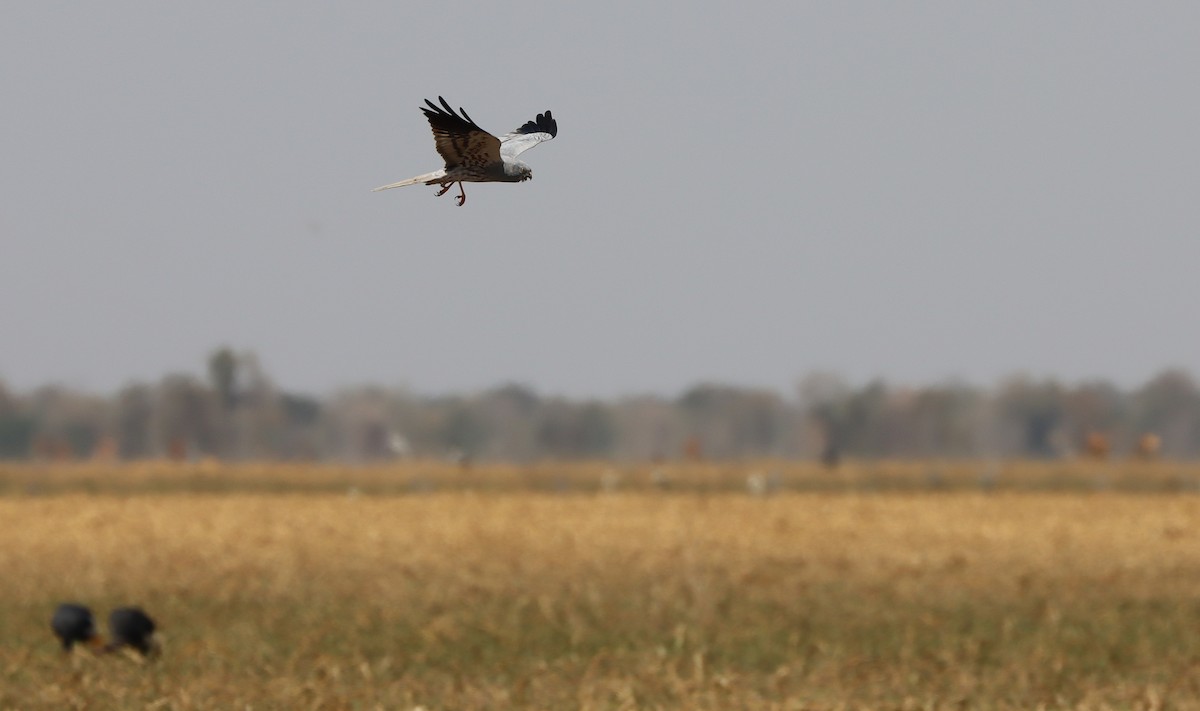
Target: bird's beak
(96, 642)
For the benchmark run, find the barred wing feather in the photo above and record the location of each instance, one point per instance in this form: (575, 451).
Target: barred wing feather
(459, 140)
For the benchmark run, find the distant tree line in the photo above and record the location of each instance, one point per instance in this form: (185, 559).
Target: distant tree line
(235, 411)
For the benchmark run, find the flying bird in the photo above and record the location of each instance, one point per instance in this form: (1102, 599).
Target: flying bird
(473, 155)
(73, 624)
(131, 627)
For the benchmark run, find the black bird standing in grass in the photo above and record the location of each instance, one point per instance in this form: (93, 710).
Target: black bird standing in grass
(131, 627)
(73, 623)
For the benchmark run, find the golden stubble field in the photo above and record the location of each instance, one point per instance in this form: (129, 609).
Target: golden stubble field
(655, 600)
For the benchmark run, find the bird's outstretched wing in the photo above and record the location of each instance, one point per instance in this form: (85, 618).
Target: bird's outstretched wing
(543, 128)
(458, 139)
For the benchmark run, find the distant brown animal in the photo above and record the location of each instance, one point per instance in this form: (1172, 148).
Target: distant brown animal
(1096, 445)
(1147, 446)
(693, 450)
(831, 453)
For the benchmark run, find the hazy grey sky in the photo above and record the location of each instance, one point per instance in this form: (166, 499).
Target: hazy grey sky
(909, 190)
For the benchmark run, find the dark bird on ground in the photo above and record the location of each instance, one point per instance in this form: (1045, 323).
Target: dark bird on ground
(475, 156)
(131, 627)
(73, 624)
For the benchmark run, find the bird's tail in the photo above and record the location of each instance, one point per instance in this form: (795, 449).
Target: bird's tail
(428, 177)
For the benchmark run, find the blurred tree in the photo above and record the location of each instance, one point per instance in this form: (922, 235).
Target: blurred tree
(759, 418)
(16, 427)
(228, 437)
(735, 422)
(9, 404)
(944, 420)
(594, 430)
(463, 430)
(300, 410)
(864, 426)
(16, 435)
(237, 411)
(72, 421)
(260, 422)
(186, 412)
(822, 390)
(223, 375)
(824, 398)
(81, 436)
(135, 415)
(571, 431)
(1036, 410)
(300, 430)
(347, 418)
(509, 416)
(521, 399)
(646, 428)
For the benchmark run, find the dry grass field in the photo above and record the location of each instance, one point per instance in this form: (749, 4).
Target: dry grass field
(638, 599)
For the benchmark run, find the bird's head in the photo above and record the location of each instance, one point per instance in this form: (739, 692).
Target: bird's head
(517, 171)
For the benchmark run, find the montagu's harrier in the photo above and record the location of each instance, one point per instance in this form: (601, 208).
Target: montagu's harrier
(474, 155)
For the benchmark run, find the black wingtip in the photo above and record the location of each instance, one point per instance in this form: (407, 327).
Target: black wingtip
(544, 123)
(440, 115)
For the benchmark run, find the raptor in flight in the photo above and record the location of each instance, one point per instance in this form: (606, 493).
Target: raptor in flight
(474, 155)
